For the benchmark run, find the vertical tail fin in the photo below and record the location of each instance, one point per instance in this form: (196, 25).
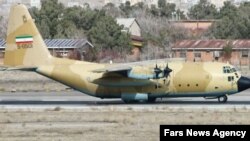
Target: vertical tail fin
(25, 46)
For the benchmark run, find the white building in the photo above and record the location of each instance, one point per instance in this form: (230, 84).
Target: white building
(29, 3)
(116, 2)
(238, 2)
(130, 25)
(32, 3)
(94, 4)
(218, 3)
(150, 2)
(6, 4)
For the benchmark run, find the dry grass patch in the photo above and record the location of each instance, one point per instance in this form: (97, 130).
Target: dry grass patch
(98, 124)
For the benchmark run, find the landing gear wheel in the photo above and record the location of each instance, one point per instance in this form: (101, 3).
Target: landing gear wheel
(126, 101)
(222, 99)
(129, 101)
(151, 100)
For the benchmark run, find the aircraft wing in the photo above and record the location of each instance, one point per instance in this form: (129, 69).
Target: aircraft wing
(134, 72)
(122, 76)
(113, 69)
(142, 72)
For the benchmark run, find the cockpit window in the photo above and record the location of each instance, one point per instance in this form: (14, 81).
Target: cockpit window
(234, 70)
(230, 78)
(224, 70)
(227, 69)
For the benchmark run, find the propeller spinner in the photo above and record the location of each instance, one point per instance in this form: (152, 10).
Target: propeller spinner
(167, 71)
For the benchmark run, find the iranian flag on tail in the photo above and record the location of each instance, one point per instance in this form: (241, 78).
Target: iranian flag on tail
(26, 39)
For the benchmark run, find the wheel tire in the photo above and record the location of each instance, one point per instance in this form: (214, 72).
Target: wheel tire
(126, 101)
(151, 100)
(129, 101)
(222, 99)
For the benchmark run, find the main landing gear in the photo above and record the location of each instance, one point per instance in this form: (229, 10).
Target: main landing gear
(222, 99)
(150, 100)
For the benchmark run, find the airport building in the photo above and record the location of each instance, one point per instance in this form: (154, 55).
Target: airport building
(131, 26)
(194, 27)
(60, 47)
(213, 50)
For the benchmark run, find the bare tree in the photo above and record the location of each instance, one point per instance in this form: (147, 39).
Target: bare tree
(158, 33)
(3, 27)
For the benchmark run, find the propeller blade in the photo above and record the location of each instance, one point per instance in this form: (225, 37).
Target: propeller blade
(157, 71)
(167, 71)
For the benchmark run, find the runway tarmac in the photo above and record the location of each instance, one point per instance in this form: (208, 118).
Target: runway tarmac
(75, 116)
(73, 98)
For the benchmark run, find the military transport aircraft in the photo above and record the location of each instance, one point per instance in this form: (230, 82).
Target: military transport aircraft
(27, 51)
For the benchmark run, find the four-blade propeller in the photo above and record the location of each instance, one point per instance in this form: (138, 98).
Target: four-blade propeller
(165, 72)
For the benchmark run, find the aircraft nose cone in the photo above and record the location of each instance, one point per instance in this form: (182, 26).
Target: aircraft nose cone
(243, 83)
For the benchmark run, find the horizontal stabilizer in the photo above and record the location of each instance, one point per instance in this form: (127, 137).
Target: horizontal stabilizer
(5, 68)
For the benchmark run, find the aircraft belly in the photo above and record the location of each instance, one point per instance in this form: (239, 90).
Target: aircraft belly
(204, 94)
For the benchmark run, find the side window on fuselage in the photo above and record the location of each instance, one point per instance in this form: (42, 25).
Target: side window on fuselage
(230, 78)
(224, 70)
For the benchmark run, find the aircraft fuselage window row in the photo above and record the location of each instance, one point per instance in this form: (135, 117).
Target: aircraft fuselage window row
(230, 78)
(227, 69)
(188, 85)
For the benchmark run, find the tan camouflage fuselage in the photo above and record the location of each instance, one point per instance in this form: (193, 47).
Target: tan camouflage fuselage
(27, 50)
(187, 79)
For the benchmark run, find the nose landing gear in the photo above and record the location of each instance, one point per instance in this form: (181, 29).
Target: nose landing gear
(222, 99)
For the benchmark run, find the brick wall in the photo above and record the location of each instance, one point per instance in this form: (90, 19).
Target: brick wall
(208, 56)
